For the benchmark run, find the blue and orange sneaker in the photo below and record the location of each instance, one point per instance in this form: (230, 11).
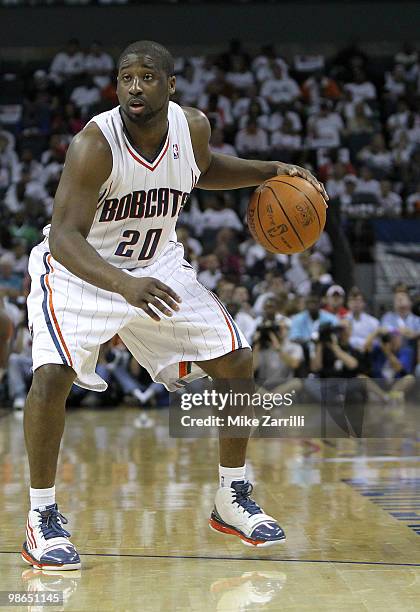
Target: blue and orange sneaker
(235, 513)
(47, 543)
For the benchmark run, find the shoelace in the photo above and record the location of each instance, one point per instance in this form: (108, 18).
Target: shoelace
(242, 497)
(51, 524)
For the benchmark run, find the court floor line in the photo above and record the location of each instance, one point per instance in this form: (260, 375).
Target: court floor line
(223, 558)
(364, 459)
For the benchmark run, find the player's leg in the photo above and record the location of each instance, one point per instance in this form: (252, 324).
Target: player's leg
(47, 543)
(69, 319)
(236, 365)
(44, 421)
(203, 338)
(234, 512)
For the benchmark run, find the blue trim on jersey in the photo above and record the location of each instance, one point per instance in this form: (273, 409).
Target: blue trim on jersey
(46, 313)
(238, 335)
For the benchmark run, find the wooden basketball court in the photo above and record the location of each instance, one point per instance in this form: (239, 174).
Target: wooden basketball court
(138, 503)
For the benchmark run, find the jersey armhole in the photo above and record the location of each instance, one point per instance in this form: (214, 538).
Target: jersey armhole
(110, 178)
(191, 155)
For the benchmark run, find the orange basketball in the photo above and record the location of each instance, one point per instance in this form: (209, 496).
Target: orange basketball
(286, 214)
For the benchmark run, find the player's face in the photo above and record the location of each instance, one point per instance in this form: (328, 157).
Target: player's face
(143, 89)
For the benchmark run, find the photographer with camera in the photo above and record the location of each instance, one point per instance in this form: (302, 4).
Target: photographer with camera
(333, 355)
(334, 381)
(276, 358)
(307, 322)
(392, 364)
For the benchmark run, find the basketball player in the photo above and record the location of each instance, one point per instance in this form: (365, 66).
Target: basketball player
(110, 264)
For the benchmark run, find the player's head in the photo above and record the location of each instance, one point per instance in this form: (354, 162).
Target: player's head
(145, 81)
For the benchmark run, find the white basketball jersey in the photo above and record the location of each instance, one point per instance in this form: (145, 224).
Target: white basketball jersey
(139, 204)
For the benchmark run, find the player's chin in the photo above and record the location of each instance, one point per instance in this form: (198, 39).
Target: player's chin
(139, 118)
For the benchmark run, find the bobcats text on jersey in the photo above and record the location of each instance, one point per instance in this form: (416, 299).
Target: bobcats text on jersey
(144, 204)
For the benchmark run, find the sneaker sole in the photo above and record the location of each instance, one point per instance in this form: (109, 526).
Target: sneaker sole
(215, 526)
(47, 566)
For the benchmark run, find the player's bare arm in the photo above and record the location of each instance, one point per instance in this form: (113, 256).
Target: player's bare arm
(88, 165)
(227, 172)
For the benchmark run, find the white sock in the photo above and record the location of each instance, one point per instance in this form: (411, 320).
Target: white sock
(227, 475)
(42, 497)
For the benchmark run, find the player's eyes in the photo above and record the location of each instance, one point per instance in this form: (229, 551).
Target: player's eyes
(148, 77)
(126, 77)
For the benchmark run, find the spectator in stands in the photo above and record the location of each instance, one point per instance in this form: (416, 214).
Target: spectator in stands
(335, 367)
(252, 141)
(286, 139)
(255, 112)
(335, 299)
(413, 202)
(264, 65)
(396, 82)
(68, 63)
(9, 163)
(273, 287)
(389, 201)
(242, 297)
(361, 121)
(217, 107)
(317, 87)
(20, 265)
(192, 247)
(276, 358)
(28, 166)
(363, 324)
(244, 103)
(225, 290)
(11, 284)
(366, 183)
(392, 364)
(211, 273)
(402, 318)
(402, 150)
(239, 75)
(307, 322)
(407, 56)
(280, 88)
(376, 157)
(20, 366)
(23, 191)
(218, 144)
(189, 85)
(361, 88)
(6, 333)
(99, 65)
(216, 215)
(86, 94)
(317, 280)
(68, 121)
(324, 128)
(244, 320)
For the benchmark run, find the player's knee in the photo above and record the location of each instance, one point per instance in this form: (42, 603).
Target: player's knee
(237, 364)
(51, 383)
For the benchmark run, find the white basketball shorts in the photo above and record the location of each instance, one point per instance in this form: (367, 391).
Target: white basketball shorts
(70, 319)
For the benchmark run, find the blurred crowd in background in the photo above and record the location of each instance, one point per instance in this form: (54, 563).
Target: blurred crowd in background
(351, 119)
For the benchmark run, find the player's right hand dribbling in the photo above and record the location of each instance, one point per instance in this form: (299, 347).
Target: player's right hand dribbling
(145, 292)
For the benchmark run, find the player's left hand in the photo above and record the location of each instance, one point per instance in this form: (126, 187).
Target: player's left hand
(292, 170)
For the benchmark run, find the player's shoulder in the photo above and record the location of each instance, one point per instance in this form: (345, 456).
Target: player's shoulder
(89, 156)
(91, 141)
(197, 120)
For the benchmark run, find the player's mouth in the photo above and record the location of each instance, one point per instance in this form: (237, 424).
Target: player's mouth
(136, 106)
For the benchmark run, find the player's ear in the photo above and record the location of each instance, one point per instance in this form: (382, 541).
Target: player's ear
(172, 85)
